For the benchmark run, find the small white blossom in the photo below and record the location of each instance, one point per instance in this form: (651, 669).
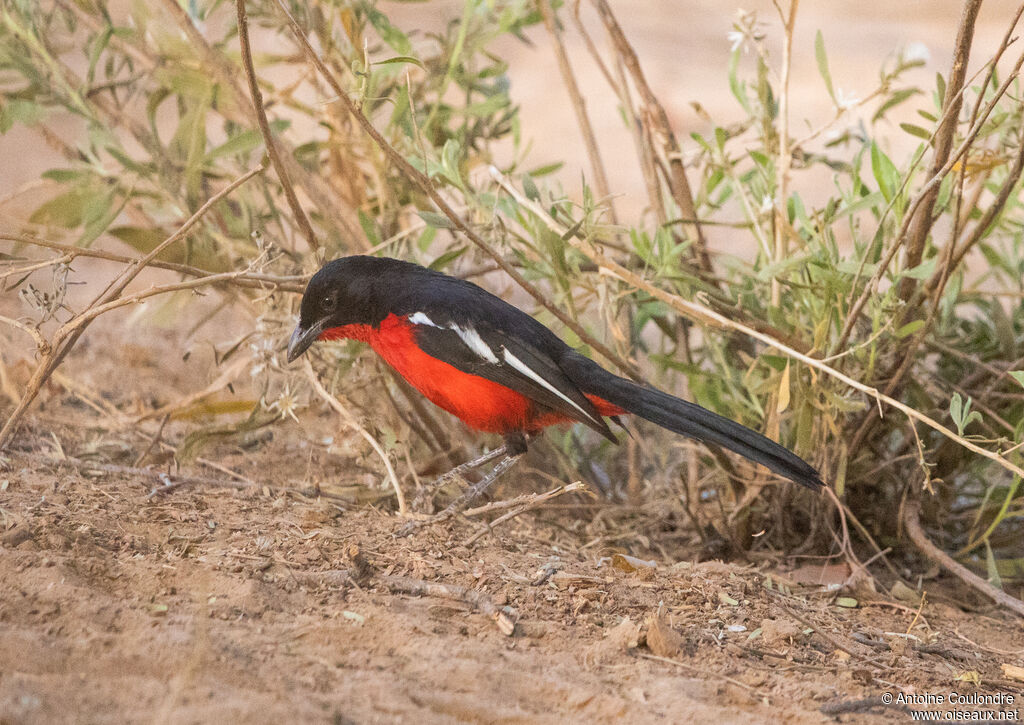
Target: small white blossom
(736, 40)
(917, 53)
(767, 204)
(846, 101)
(285, 405)
(263, 356)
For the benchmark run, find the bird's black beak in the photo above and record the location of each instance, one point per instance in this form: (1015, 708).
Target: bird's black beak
(302, 339)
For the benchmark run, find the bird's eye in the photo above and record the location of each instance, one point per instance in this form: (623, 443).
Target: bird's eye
(329, 302)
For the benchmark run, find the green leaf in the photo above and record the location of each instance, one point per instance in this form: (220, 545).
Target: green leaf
(892, 101)
(530, 188)
(885, 172)
(438, 221)
(400, 59)
(245, 142)
(993, 570)
(822, 58)
(909, 329)
(65, 210)
(17, 110)
(916, 131)
(1018, 375)
(388, 32)
(141, 239)
(545, 170)
(922, 271)
(447, 258)
(961, 413)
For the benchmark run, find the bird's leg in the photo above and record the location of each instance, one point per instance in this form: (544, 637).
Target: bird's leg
(426, 495)
(514, 448)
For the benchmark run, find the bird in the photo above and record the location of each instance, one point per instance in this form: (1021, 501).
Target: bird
(496, 368)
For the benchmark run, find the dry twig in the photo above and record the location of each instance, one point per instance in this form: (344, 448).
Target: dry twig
(523, 504)
(912, 520)
(268, 136)
(351, 421)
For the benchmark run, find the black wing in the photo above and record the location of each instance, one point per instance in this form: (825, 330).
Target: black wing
(506, 360)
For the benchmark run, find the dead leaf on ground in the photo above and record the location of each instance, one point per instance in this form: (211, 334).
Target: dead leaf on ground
(779, 631)
(662, 640)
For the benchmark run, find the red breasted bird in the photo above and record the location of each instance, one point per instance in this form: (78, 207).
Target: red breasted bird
(496, 368)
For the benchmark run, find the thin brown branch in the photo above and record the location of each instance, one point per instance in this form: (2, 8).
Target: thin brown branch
(268, 137)
(41, 344)
(579, 106)
(912, 521)
(943, 143)
(658, 118)
(428, 188)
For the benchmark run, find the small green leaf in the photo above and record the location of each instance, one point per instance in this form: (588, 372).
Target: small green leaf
(438, 221)
(916, 131)
(447, 258)
(822, 58)
(961, 413)
(847, 602)
(885, 172)
(909, 329)
(894, 100)
(1018, 375)
(400, 59)
(530, 188)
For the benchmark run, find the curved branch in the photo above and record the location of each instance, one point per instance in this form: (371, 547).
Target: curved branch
(912, 520)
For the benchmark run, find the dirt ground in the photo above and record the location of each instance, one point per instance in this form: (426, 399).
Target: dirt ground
(268, 603)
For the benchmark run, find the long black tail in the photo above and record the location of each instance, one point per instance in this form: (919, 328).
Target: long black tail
(688, 419)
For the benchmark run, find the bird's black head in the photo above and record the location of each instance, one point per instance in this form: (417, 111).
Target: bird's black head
(342, 293)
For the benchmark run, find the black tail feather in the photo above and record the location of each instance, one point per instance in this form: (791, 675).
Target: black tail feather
(689, 419)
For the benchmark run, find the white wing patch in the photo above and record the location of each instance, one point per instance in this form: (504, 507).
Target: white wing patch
(468, 335)
(420, 318)
(525, 370)
(475, 343)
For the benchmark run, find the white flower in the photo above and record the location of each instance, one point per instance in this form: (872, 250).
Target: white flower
(767, 204)
(846, 101)
(736, 40)
(916, 53)
(286, 405)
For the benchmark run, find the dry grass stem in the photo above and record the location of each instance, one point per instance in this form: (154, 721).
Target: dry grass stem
(351, 421)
